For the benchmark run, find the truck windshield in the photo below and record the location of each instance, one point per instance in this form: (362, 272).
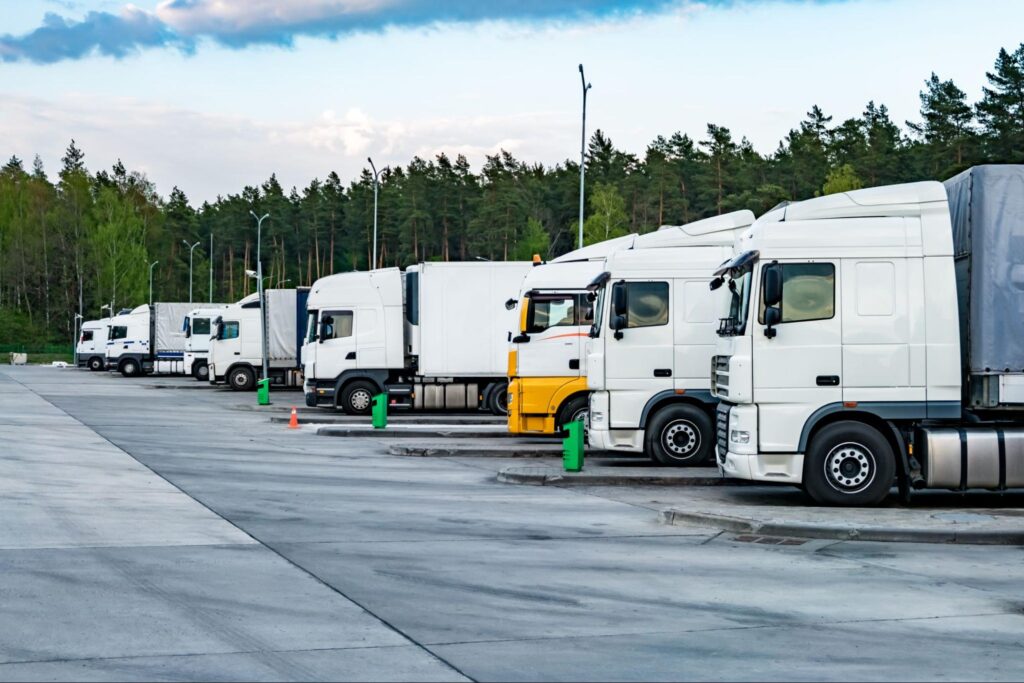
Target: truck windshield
(735, 322)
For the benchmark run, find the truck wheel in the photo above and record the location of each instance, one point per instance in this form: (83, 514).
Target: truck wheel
(95, 363)
(576, 408)
(497, 400)
(201, 371)
(241, 379)
(130, 368)
(357, 398)
(680, 435)
(849, 463)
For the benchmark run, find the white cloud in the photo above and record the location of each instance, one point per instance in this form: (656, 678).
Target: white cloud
(208, 155)
(239, 16)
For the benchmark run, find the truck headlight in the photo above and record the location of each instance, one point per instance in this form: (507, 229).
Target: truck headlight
(596, 417)
(739, 436)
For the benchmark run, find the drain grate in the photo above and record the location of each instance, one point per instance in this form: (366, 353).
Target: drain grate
(768, 540)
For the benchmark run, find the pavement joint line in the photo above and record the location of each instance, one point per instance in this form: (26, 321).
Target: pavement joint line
(288, 560)
(69, 660)
(516, 539)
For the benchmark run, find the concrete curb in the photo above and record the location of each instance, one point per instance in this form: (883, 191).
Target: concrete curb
(537, 476)
(403, 433)
(448, 452)
(841, 533)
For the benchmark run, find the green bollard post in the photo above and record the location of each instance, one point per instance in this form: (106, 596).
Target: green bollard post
(263, 392)
(380, 411)
(572, 446)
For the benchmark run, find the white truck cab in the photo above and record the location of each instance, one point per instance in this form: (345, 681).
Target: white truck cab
(839, 361)
(198, 331)
(91, 350)
(148, 339)
(652, 341)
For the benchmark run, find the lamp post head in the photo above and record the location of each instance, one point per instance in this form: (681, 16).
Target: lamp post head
(250, 273)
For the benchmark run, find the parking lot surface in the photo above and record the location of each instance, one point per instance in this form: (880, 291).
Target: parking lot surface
(151, 533)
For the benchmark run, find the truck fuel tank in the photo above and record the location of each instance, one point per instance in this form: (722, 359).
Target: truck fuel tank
(986, 457)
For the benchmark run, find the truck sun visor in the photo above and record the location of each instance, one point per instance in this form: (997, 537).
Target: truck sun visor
(599, 281)
(739, 262)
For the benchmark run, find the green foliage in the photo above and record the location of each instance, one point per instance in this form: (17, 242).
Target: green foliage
(87, 237)
(841, 179)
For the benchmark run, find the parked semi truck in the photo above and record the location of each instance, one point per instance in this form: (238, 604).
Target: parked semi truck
(235, 355)
(434, 338)
(547, 364)
(652, 341)
(91, 350)
(198, 330)
(148, 339)
(876, 337)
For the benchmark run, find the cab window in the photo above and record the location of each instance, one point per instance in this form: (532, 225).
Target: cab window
(547, 313)
(118, 331)
(87, 335)
(229, 329)
(201, 326)
(808, 292)
(337, 324)
(646, 304)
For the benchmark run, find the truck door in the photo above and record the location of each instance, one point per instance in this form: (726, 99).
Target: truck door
(800, 368)
(553, 326)
(337, 350)
(638, 357)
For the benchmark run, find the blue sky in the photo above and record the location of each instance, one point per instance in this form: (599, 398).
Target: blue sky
(211, 95)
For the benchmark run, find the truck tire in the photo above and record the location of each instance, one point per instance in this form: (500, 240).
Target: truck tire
(680, 435)
(241, 378)
(357, 398)
(497, 400)
(576, 408)
(130, 368)
(201, 371)
(95, 363)
(849, 463)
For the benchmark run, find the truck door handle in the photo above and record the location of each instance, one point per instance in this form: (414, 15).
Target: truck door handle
(574, 364)
(238, 353)
(828, 380)
(351, 355)
(663, 372)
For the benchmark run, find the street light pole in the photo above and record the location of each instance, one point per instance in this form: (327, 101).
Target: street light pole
(376, 184)
(191, 248)
(259, 287)
(150, 285)
(211, 266)
(583, 147)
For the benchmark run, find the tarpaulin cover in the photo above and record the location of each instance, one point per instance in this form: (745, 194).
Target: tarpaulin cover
(986, 207)
(281, 324)
(168, 320)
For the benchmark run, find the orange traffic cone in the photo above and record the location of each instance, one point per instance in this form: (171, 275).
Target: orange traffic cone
(293, 423)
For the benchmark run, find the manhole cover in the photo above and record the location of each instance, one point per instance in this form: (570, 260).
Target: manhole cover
(962, 517)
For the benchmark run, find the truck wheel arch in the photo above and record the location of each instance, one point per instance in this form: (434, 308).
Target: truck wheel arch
(376, 377)
(836, 412)
(701, 398)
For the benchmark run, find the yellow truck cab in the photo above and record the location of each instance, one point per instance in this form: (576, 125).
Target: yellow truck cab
(547, 361)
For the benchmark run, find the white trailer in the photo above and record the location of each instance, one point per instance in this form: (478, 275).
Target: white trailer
(198, 330)
(652, 341)
(148, 339)
(91, 350)
(842, 364)
(443, 345)
(235, 355)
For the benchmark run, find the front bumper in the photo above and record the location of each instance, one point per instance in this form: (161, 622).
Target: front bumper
(318, 393)
(781, 468)
(601, 437)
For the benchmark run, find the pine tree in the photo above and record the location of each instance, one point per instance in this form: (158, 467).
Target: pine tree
(1001, 110)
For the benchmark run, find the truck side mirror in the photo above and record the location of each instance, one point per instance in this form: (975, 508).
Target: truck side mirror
(521, 339)
(772, 317)
(325, 323)
(619, 305)
(716, 283)
(772, 285)
(617, 323)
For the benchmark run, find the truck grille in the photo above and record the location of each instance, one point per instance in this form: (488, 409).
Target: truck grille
(722, 430)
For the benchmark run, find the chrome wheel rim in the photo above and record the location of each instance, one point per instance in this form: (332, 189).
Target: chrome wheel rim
(850, 467)
(681, 439)
(360, 399)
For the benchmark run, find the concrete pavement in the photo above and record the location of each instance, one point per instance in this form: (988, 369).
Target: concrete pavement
(406, 568)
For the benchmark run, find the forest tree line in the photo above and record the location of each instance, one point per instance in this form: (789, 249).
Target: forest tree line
(84, 239)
